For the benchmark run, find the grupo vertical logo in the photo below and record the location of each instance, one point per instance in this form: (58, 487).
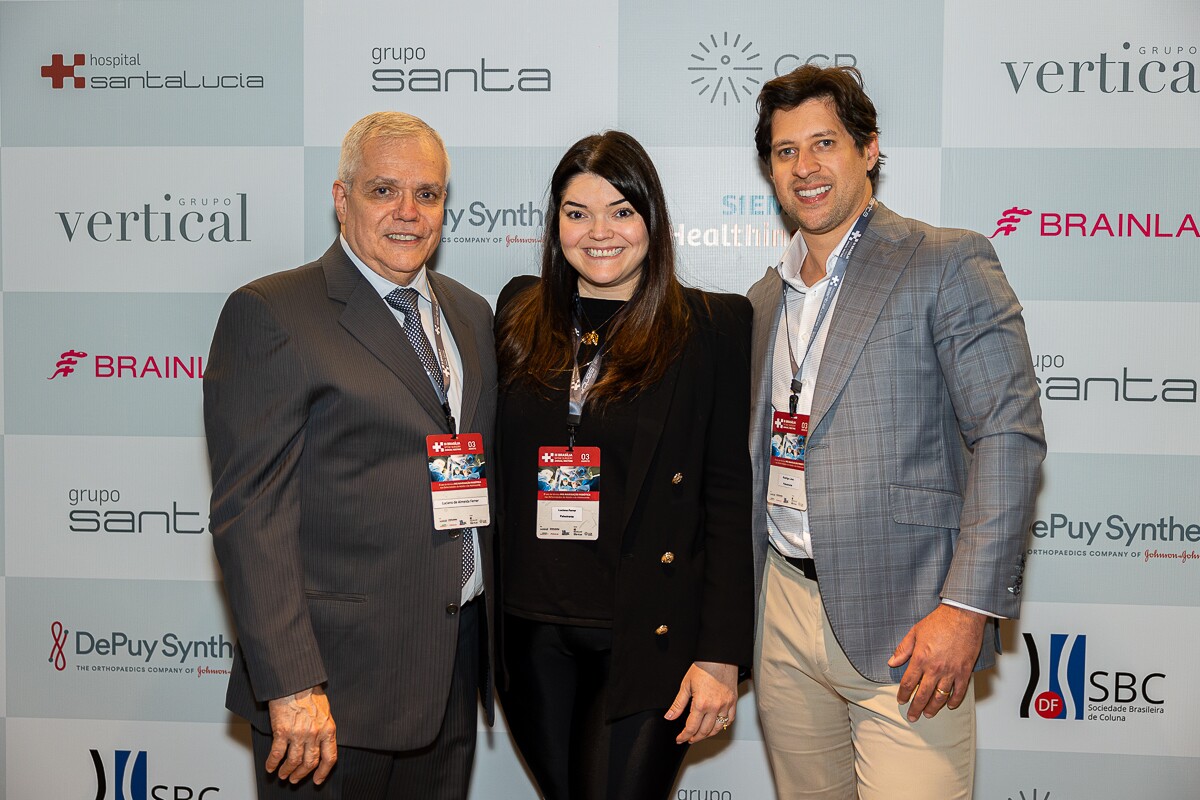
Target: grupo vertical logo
(130, 780)
(1065, 665)
(58, 71)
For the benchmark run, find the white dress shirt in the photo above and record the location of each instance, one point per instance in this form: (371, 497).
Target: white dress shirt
(420, 282)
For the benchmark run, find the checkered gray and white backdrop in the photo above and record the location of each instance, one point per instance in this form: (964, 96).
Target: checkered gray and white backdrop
(155, 155)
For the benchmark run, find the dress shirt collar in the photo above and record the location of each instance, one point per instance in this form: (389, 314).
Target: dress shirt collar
(420, 281)
(793, 260)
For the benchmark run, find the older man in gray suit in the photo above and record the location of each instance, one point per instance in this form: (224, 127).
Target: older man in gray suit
(360, 609)
(894, 354)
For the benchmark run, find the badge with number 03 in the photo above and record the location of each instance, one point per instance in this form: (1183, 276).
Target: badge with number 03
(457, 481)
(568, 493)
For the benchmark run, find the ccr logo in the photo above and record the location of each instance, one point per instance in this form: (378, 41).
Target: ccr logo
(730, 69)
(130, 782)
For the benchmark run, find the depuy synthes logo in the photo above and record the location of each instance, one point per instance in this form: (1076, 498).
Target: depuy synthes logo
(104, 366)
(130, 780)
(1152, 69)
(114, 72)
(119, 651)
(1070, 691)
(1126, 224)
(724, 66)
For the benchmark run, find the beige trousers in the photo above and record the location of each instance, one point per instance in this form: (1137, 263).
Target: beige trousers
(830, 732)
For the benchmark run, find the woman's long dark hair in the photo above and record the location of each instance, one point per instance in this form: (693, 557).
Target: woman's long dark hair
(535, 341)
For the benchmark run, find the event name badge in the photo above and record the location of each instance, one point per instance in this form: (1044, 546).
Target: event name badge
(568, 498)
(457, 481)
(785, 482)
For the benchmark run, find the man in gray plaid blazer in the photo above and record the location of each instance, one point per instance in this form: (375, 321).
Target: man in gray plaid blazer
(895, 353)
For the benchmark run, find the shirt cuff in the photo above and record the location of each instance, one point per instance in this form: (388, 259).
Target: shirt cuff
(972, 608)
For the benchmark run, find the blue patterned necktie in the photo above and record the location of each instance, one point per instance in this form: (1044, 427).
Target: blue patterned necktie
(404, 300)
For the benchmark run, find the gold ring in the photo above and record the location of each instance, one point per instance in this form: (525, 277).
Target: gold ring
(941, 691)
(723, 721)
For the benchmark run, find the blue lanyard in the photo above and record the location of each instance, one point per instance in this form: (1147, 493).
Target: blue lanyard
(835, 282)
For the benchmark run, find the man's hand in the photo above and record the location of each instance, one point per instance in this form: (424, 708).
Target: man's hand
(304, 731)
(712, 689)
(941, 651)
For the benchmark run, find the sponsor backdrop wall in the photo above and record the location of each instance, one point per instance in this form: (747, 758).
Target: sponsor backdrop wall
(154, 156)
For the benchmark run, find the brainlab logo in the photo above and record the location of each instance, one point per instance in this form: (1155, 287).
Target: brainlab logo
(126, 366)
(130, 780)
(1115, 695)
(725, 67)
(1103, 225)
(117, 75)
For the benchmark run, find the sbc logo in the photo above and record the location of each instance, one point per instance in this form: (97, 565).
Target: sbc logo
(130, 782)
(1062, 695)
(1065, 651)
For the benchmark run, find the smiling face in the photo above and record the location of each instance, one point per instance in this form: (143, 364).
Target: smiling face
(820, 174)
(391, 210)
(602, 237)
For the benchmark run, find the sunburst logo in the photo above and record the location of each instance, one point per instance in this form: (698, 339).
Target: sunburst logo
(1035, 796)
(726, 69)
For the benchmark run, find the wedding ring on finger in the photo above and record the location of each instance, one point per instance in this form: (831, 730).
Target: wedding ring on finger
(723, 721)
(942, 692)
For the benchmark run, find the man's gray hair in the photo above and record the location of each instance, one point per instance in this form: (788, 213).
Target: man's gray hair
(384, 125)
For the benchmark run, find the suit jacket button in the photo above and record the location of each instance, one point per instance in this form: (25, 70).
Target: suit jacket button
(661, 630)
(677, 478)
(455, 534)
(667, 557)
(452, 609)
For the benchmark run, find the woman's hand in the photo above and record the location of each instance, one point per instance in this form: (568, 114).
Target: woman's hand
(711, 688)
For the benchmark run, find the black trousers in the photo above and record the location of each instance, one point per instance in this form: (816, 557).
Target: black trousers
(555, 706)
(438, 771)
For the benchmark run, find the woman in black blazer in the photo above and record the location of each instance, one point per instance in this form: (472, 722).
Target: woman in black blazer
(625, 495)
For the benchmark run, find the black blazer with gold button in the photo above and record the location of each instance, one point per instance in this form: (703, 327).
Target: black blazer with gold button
(685, 584)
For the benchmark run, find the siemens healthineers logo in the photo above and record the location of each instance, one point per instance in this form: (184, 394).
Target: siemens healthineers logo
(130, 780)
(1069, 691)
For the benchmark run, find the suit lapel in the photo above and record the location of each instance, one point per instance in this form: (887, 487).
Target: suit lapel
(765, 296)
(369, 320)
(463, 330)
(888, 245)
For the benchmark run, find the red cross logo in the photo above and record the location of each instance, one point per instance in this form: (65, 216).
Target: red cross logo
(57, 71)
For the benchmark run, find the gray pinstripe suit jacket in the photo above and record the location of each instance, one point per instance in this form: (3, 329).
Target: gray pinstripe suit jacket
(925, 439)
(316, 412)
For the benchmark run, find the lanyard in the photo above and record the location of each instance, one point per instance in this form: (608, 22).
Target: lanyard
(441, 382)
(835, 283)
(579, 387)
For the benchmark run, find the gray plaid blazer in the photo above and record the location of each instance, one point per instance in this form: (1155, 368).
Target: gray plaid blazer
(925, 440)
